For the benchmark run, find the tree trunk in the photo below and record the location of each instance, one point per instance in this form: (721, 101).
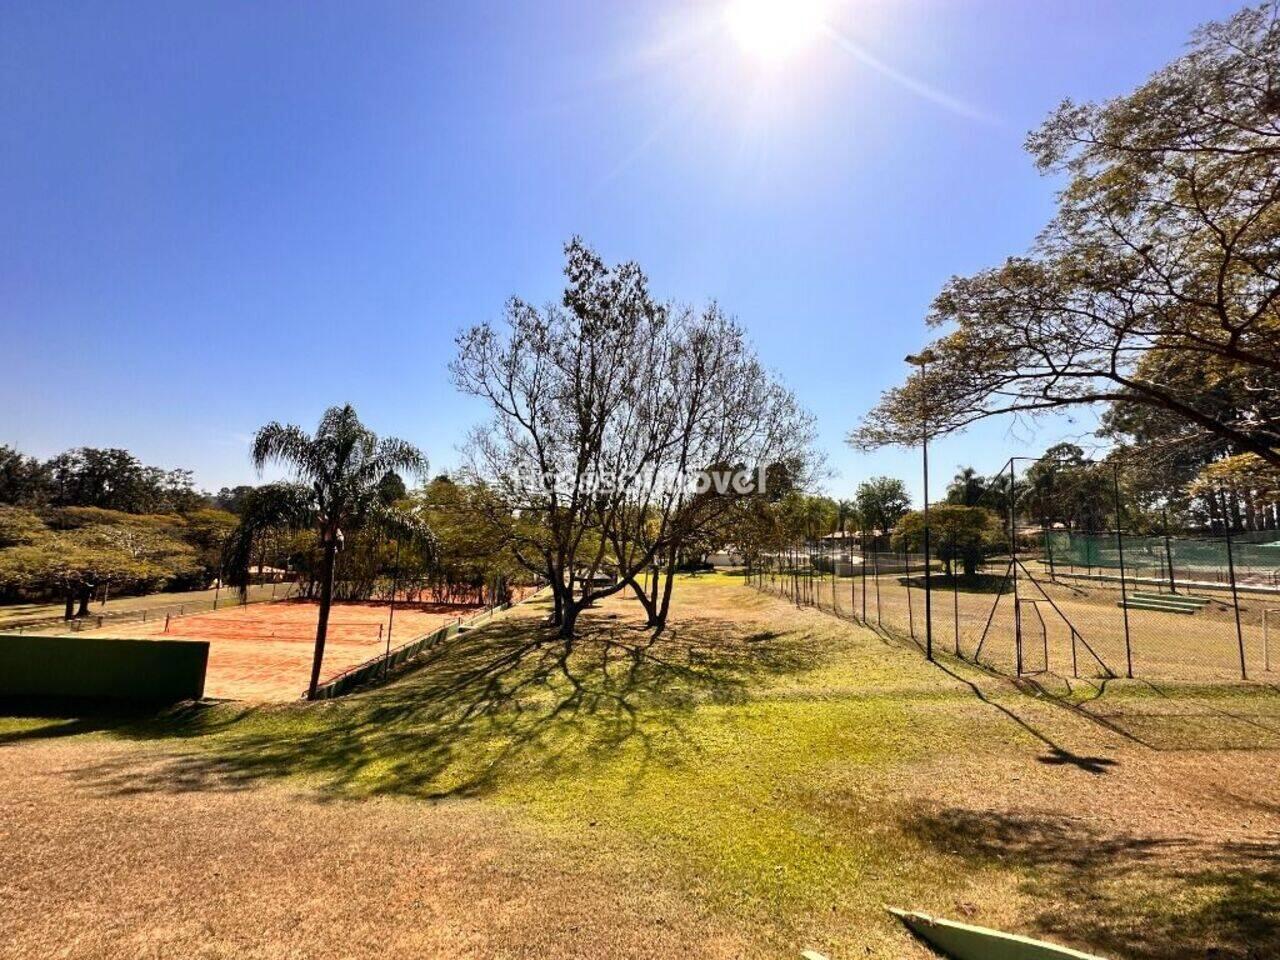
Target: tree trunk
(557, 598)
(650, 608)
(1211, 502)
(69, 609)
(668, 582)
(326, 601)
(569, 620)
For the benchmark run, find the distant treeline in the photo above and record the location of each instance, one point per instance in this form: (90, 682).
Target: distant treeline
(91, 523)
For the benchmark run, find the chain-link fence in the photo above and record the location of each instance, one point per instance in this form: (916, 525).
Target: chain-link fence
(1021, 592)
(381, 667)
(222, 600)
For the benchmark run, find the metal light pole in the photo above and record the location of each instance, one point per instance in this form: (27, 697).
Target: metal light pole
(922, 360)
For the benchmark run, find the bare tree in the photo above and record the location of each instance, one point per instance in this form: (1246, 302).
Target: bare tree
(603, 405)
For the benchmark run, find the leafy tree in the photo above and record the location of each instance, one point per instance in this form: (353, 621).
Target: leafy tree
(114, 479)
(24, 481)
(1244, 489)
(1063, 487)
(208, 532)
(1164, 455)
(1163, 248)
(967, 488)
(846, 515)
(338, 472)
(83, 549)
(882, 502)
(19, 525)
(472, 553)
(392, 489)
(231, 499)
(958, 532)
(807, 516)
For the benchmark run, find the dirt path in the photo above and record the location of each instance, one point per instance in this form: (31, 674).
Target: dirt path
(91, 867)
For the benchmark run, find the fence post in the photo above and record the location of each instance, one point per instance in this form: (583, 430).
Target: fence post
(1013, 566)
(1235, 603)
(862, 562)
(875, 559)
(1124, 598)
(1168, 550)
(955, 591)
(810, 588)
(835, 581)
(853, 584)
(391, 614)
(911, 616)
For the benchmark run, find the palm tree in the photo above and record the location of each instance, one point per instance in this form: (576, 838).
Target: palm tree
(967, 488)
(846, 511)
(339, 476)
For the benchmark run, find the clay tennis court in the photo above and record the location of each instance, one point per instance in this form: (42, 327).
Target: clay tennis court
(263, 651)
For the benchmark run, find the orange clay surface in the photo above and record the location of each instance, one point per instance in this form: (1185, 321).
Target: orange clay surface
(262, 651)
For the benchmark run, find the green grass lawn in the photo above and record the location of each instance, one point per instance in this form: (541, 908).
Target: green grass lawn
(795, 774)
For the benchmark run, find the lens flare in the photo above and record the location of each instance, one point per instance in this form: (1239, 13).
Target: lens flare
(774, 30)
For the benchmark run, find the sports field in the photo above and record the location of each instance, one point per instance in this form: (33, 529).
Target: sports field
(262, 652)
(1203, 646)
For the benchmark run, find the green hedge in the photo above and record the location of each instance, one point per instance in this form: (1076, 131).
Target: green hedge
(86, 667)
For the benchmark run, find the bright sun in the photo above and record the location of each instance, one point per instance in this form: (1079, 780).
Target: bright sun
(774, 30)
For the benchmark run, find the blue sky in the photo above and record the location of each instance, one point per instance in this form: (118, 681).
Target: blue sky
(213, 215)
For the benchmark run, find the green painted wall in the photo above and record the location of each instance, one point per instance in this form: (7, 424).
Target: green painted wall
(157, 671)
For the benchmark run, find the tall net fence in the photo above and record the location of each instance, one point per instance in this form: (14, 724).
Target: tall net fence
(222, 600)
(1032, 597)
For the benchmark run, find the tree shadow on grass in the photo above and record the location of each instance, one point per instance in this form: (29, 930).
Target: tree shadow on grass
(509, 700)
(1057, 755)
(1174, 717)
(1123, 895)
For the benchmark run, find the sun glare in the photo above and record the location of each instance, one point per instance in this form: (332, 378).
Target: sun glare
(774, 30)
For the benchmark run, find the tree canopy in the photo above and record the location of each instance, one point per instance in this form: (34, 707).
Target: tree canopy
(112, 479)
(958, 533)
(74, 551)
(882, 502)
(1162, 256)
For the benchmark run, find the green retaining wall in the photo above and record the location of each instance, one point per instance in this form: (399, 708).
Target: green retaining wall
(102, 668)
